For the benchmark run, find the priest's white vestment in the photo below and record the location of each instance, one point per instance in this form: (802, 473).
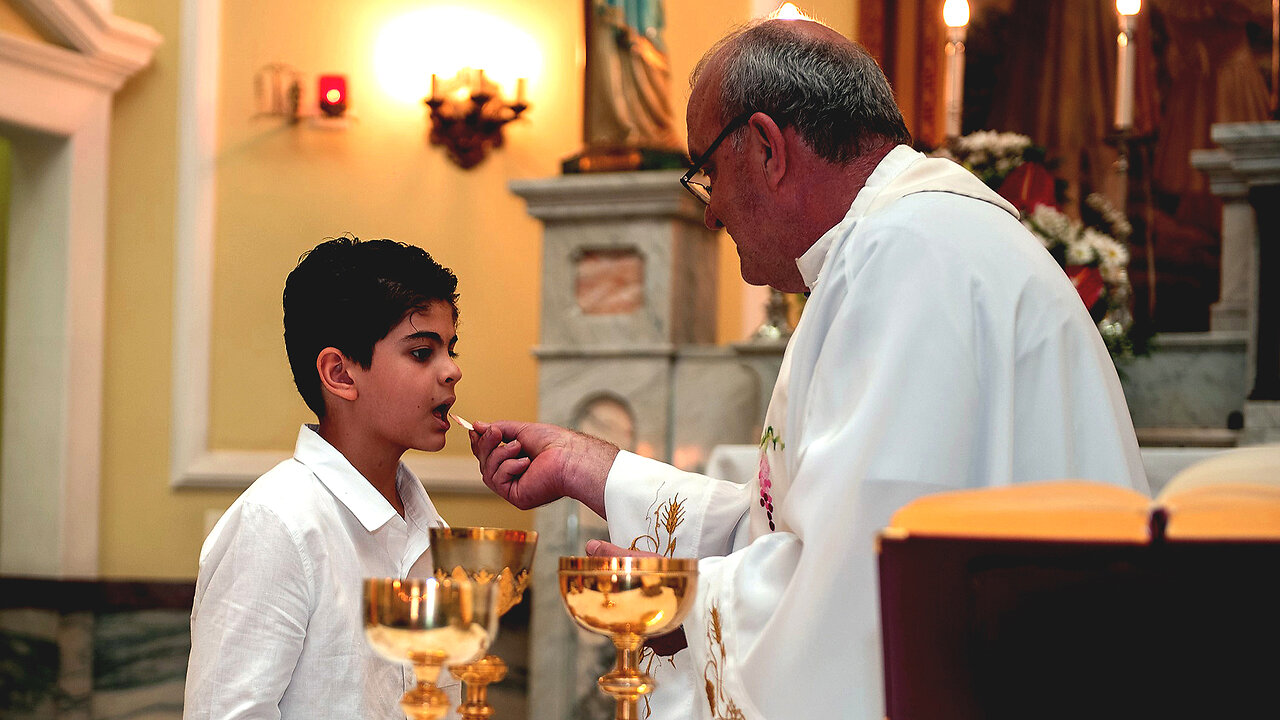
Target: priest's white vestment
(941, 348)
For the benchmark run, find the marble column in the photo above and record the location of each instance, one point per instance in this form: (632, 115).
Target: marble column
(1244, 171)
(626, 353)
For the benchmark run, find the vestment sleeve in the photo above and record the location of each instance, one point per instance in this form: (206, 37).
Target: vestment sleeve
(253, 601)
(659, 508)
(881, 407)
(655, 507)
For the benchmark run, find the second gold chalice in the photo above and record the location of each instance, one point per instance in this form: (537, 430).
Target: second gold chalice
(487, 556)
(628, 599)
(429, 624)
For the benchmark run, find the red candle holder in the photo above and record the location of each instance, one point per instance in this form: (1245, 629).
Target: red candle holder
(333, 95)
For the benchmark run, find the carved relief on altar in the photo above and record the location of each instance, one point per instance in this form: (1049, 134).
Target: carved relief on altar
(608, 418)
(609, 281)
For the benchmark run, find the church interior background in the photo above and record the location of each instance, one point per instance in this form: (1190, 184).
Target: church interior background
(158, 181)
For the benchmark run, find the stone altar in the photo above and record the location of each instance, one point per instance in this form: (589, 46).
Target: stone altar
(626, 353)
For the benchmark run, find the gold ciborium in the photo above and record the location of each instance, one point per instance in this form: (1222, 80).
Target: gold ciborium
(628, 599)
(487, 556)
(430, 625)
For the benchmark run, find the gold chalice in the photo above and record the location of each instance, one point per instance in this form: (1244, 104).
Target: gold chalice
(431, 625)
(628, 599)
(487, 556)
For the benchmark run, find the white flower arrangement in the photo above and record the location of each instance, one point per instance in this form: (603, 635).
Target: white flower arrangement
(1073, 244)
(1093, 253)
(989, 154)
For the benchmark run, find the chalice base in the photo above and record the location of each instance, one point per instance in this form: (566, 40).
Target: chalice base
(476, 678)
(425, 702)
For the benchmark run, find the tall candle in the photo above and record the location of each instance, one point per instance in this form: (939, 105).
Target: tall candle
(955, 13)
(1125, 70)
(955, 80)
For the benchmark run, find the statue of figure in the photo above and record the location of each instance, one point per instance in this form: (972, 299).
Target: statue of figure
(628, 123)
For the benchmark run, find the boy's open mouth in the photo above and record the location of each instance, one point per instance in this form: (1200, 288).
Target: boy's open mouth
(441, 411)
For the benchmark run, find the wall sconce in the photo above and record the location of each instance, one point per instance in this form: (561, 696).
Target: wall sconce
(467, 115)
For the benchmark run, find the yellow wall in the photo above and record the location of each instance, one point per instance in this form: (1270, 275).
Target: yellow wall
(282, 189)
(12, 23)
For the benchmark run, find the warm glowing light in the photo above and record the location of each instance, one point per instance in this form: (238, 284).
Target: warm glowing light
(442, 40)
(789, 11)
(333, 96)
(1128, 7)
(955, 13)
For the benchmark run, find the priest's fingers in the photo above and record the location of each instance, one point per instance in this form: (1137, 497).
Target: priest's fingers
(498, 455)
(669, 644)
(600, 548)
(527, 483)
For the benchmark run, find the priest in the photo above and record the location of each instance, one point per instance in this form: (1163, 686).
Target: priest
(941, 348)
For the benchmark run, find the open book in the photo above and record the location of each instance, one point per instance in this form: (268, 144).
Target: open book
(1076, 599)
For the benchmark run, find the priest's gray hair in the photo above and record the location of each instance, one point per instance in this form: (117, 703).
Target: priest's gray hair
(834, 94)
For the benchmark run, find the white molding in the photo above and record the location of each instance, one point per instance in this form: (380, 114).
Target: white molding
(113, 41)
(192, 463)
(61, 100)
(32, 55)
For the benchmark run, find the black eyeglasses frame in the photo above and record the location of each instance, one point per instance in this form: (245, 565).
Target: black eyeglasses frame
(698, 190)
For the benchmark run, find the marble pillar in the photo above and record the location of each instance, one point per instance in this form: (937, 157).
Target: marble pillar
(626, 352)
(1245, 170)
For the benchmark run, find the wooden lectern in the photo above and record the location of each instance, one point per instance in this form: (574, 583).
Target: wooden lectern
(1080, 600)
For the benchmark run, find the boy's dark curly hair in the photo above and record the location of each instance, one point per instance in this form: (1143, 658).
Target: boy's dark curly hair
(348, 293)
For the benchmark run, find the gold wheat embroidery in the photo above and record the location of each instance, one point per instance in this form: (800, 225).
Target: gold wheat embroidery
(713, 673)
(667, 518)
(647, 659)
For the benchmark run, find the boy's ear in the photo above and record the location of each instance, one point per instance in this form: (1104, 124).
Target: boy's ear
(335, 378)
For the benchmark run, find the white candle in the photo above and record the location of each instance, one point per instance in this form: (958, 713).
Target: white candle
(955, 80)
(955, 13)
(1125, 67)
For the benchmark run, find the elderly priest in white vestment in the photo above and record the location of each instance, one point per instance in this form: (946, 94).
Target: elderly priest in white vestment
(941, 348)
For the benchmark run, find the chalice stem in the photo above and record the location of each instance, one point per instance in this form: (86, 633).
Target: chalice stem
(476, 678)
(627, 684)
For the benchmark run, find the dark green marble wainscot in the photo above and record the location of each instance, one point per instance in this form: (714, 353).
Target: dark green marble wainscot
(93, 650)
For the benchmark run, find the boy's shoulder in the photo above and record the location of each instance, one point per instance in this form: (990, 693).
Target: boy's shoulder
(286, 489)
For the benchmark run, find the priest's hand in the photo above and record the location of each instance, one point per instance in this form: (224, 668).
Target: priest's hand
(531, 464)
(664, 645)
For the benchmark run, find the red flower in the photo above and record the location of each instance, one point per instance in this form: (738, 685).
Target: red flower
(1029, 185)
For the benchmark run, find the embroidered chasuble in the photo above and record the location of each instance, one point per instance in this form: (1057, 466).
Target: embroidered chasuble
(941, 348)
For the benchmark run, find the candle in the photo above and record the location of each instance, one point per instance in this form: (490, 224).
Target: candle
(1125, 62)
(435, 87)
(333, 95)
(520, 91)
(955, 13)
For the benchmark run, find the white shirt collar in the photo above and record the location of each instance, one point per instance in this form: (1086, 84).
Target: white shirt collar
(814, 259)
(354, 491)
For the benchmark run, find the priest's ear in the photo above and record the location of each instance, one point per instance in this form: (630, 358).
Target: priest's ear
(335, 377)
(773, 148)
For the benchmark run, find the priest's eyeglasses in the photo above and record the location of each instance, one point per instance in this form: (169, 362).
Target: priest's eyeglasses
(697, 182)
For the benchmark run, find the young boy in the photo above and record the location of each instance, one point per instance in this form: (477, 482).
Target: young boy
(369, 328)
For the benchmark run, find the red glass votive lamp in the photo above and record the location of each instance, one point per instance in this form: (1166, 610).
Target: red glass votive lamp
(333, 95)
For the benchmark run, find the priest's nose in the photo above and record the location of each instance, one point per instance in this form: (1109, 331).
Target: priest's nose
(710, 220)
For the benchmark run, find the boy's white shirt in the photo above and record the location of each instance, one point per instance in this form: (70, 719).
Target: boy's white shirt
(276, 625)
